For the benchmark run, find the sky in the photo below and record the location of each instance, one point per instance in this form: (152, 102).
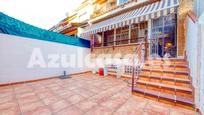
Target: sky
(40, 13)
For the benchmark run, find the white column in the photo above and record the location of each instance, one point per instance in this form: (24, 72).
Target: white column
(129, 34)
(102, 39)
(114, 39)
(149, 28)
(93, 40)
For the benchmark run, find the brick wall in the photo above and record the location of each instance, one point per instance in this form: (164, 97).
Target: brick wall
(184, 8)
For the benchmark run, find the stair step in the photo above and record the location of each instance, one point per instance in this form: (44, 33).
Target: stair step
(167, 65)
(157, 73)
(189, 90)
(174, 98)
(166, 68)
(167, 71)
(166, 78)
(166, 59)
(172, 62)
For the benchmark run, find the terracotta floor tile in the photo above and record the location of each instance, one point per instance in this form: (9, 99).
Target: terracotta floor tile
(41, 90)
(7, 99)
(28, 99)
(25, 94)
(61, 92)
(6, 94)
(45, 94)
(82, 94)
(59, 105)
(31, 106)
(10, 111)
(86, 105)
(113, 103)
(65, 94)
(51, 100)
(73, 110)
(23, 90)
(9, 104)
(99, 110)
(181, 111)
(86, 93)
(131, 108)
(39, 111)
(153, 108)
(75, 99)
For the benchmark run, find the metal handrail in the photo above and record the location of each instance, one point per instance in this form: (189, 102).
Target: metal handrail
(137, 65)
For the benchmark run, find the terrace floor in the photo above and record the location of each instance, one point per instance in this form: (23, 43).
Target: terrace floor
(84, 94)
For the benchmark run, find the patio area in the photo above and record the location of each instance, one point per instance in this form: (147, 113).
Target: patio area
(84, 94)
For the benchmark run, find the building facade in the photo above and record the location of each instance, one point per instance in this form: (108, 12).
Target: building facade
(76, 20)
(119, 25)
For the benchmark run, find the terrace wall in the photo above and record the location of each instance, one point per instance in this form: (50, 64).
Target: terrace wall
(16, 53)
(195, 56)
(184, 7)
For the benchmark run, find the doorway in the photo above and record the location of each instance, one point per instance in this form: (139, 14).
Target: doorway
(163, 41)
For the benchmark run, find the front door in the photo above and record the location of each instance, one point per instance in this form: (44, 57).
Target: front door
(163, 42)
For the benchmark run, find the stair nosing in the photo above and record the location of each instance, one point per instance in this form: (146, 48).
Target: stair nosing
(166, 71)
(165, 86)
(164, 95)
(165, 77)
(170, 65)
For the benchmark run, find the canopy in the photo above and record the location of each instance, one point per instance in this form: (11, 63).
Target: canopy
(154, 10)
(9, 25)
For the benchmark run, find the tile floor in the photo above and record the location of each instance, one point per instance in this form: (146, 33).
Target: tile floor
(84, 94)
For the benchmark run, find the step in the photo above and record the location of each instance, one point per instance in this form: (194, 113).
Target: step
(158, 73)
(166, 62)
(162, 68)
(167, 71)
(170, 97)
(167, 80)
(165, 86)
(167, 65)
(165, 59)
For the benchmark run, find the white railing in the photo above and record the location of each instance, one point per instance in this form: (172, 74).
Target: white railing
(195, 57)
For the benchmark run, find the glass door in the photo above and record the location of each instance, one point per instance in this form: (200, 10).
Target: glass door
(163, 38)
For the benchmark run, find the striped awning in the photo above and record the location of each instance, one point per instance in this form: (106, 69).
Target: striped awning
(154, 10)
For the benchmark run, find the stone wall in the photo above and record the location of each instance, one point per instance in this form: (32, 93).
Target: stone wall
(184, 8)
(122, 50)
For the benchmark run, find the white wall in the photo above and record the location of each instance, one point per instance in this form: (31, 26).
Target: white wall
(195, 55)
(202, 63)
(15, 54)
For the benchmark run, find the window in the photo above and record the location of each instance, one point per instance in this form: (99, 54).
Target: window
(109, 38)
(122, 2)
(122, 35)
(138, 32)
(98, 40)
